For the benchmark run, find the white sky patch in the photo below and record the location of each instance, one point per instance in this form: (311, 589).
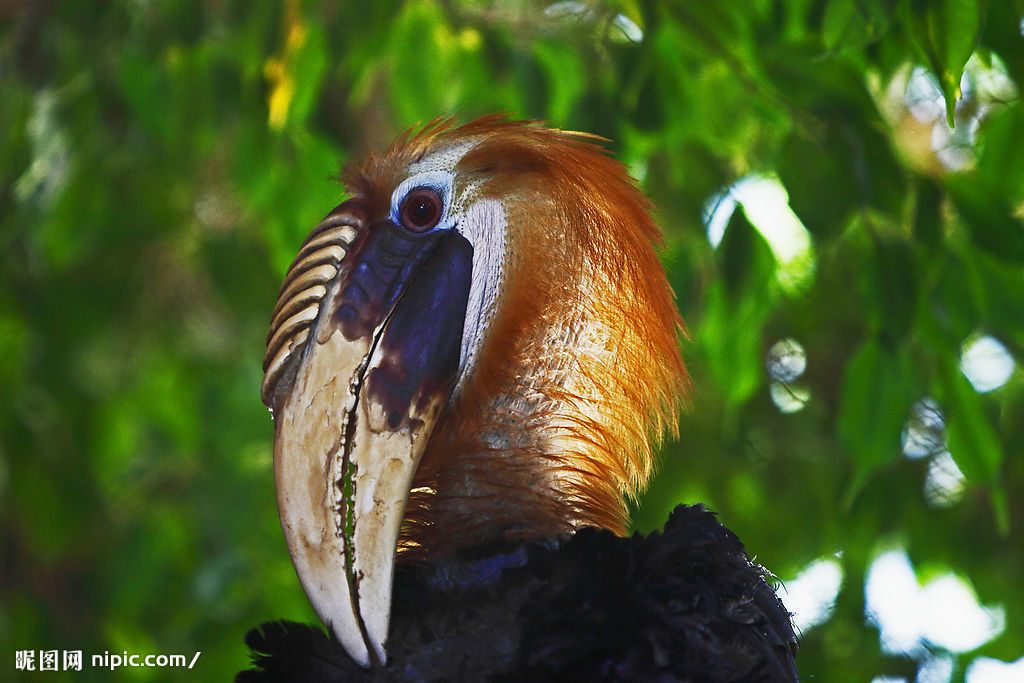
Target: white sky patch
(717, 213)
(987, 364)
(766, 205)
(789, 398)
(811, 596)
(953, 618)
(943, 613)
(984, 84)
(786, 361)
(924, 433)
(944, 483)
(628, 28)
(955, 146)
(888, 679)
(937, 669)
(992, 79)
(892, 601)
(923, 96)
(568, 8)
(987, 670)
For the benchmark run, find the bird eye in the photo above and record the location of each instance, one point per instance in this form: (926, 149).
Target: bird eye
(421, 209)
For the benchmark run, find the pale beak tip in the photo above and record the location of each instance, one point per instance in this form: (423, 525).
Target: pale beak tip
(347, 630)
(355, 646)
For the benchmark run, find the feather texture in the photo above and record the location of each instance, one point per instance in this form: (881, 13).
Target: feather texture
(580, 374)
(685, 604)
(512, 562)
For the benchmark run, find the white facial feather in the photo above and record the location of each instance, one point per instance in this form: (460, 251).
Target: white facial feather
(484, 225)
(444, 159)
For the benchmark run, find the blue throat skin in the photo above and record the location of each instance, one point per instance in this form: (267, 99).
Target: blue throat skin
(468, 573)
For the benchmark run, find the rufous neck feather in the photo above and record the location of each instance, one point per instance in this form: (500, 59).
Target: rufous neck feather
(579, 375)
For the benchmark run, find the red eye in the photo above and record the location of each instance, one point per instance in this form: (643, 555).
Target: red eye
(421, 209)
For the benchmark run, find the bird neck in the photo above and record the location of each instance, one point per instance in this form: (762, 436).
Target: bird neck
(578, 377)
(531, 461)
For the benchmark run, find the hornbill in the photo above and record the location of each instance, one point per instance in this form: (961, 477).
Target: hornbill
(470, 364)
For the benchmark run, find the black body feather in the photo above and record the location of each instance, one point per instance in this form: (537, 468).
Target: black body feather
(682, 605)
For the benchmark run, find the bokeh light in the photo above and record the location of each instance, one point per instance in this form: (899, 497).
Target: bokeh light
(925, 431)
(987, 363)
(765, 203)
(811, 596)
(944, 483)
(988, 670)
(942, 613)
(786, 361)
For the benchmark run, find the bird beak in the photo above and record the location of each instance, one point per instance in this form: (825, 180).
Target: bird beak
(361, 360)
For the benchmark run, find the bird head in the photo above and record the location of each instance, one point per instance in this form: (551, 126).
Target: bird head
(479, 345)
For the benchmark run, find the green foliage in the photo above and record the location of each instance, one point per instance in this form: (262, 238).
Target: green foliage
(877, 393)
(945, 33)
(161, 161)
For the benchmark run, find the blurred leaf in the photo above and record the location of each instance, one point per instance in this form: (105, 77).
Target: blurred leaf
(731, 336)
(894, 287)
(945, 32)
(14, 345)
(973, 442)
(650, 107)
(999, 34)
(815, 168)
(294, 75)
(953, 302)
(307, 67)
(738, 308)
(47, 519)
(854, 24)
(878, 389)
(565, 77)
(843, 154)
(720, 112)
(419, 63)
(116, 440)
(998, 288)
(433, 64)
(748, 265)
(927, 215)
(989, 218)
(631, 9)
(1000, 161)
